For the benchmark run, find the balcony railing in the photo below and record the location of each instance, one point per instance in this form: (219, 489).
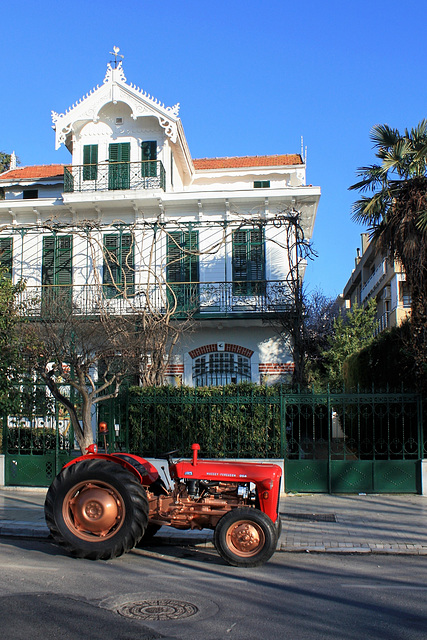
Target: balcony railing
(112, 176)
(374, 280)
(201, 299)
(383, 323)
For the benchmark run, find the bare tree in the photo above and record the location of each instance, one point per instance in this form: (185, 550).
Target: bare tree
(126, 323)
(292, 322)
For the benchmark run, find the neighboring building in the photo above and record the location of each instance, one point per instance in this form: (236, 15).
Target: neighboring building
(134, 208)
(377, 277)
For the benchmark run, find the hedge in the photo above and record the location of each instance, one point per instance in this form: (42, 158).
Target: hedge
(231, 421)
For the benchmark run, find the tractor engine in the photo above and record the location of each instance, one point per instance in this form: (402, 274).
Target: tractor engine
(197, 504)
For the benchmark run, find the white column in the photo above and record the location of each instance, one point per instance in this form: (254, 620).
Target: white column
(2, 478)
(424, 477)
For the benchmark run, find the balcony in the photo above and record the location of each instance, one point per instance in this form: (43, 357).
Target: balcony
(113, 176)
(201, 300)
(374, 280)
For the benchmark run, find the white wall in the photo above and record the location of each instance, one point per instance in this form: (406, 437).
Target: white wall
(261, 340)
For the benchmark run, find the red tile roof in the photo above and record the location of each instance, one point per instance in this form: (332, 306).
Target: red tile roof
(57, 170)
(31, 173)
(247, 161)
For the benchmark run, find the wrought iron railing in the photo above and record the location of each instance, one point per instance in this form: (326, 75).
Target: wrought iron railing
(334, 427)
(218, 299)
(111, 176)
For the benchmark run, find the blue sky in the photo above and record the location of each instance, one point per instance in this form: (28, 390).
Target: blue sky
(251, 78)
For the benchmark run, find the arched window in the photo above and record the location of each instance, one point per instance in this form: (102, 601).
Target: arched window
(219, 368)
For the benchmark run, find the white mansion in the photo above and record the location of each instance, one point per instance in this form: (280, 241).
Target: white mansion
(133, 211)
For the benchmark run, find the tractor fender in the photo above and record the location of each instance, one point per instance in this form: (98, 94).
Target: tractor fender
(148, 471)
(139, 467)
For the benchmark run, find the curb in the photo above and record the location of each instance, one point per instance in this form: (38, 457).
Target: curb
(39, 531)
(409, 550)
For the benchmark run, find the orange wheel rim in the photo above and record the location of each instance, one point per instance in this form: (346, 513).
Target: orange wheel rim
(245, 538)
(93, 509)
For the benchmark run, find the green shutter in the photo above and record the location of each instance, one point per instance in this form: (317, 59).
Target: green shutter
(127, 258)
(119, 169)
(256, 256)
(240, 266)
(64, 267)
(183, 268)
(119, 152)
(90, 162)
(113, 152)
(6, 246)
(182, 256)
(149, 159)
(48, 263)
(57, 273)
(111, 265)
(119, 269)
(173, 269)
(248, 262)
(57, 260)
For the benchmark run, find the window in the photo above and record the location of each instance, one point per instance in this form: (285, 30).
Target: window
(119, 158)
(182, 268)
(30, 194)
(404, 293)
(262, 184)
(90, 162)
(119, 267)
(221, 368)
(6, 255)
(57, 273)
(248, 262)
(149, 158)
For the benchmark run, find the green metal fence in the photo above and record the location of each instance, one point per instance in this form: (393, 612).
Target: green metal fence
(331, 442)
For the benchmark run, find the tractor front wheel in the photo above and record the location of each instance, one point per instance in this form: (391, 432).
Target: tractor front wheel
(245, 537)
(96, 509)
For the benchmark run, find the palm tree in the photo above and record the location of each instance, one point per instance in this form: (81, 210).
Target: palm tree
(394, 208)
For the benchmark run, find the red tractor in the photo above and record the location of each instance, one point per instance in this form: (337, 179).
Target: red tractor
(101, 505)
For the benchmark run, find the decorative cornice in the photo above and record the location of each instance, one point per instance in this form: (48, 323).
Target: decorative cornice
(111, 73)
(115, 89)
(57, 116)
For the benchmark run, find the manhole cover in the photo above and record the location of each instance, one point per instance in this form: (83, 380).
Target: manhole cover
(158, 610)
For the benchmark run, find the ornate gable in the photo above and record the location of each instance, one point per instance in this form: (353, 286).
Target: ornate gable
(114, 89)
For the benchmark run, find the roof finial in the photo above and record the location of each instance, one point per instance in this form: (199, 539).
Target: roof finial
(116, 54)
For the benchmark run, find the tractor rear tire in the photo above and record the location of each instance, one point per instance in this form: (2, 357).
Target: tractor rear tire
(95, 509)
(245, 537)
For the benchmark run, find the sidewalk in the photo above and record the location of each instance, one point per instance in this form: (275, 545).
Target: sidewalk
(310, 522)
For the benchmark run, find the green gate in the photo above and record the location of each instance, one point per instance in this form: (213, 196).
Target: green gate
(37, 441)
(353, 443)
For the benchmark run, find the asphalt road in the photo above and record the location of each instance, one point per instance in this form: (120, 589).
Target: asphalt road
(191, 594)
